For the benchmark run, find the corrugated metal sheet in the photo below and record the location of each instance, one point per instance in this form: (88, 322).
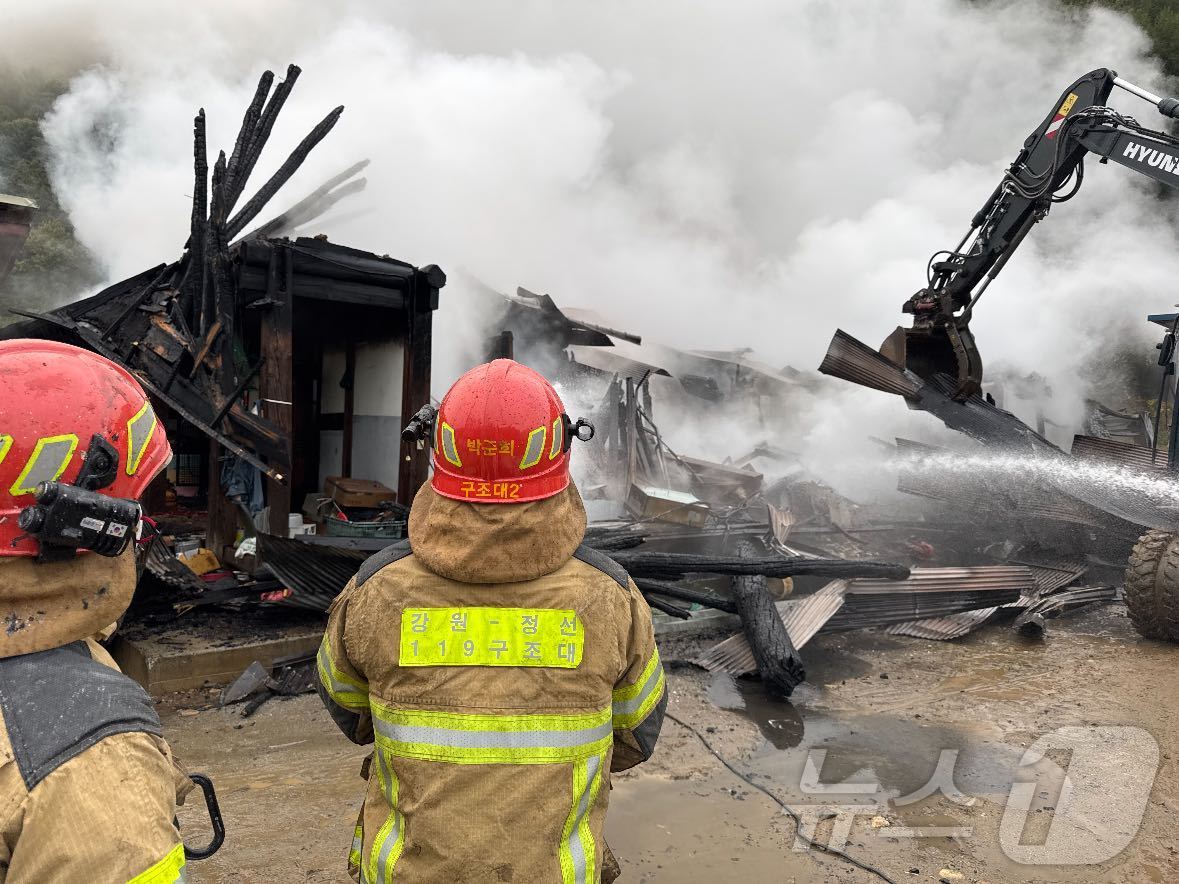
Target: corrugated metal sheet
(929, 593)
(803, 618)
(1137, 457)
(977, 418)
(1053, 577)
(1105, 423)
(315, 574)
(1031, 621)
(850, 360)
(607, 360)
(1047, 578)
(862, 612)
(166, 568)
(944, 628)
(854, 361)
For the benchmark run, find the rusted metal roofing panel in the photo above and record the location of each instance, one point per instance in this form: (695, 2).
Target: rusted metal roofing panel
(1031, 621)
(978, 419)
(924, 581)
(855, 361)
(1136, 457)
(1051, 578)
(944, 628)
(1047, 578)
(850, 360)
(928, 594)
(316, 574)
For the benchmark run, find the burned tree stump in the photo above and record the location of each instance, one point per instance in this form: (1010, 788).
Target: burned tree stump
(778, 661)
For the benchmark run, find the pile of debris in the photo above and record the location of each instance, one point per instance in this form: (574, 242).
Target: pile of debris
(213, 336)
(788, 556)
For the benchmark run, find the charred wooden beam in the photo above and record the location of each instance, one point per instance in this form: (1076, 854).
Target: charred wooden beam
(669, 608)
(236, 394)
(348, 382)
(192, 284)
(685, 594)
(609, 539)
(267, 191)
(277, 381)
(203, 353)
(777, 659)
(315, 203)
(673, 566)
(262, 132)
(223, 514)
(223, 290)
(421, 302)
(244, 144)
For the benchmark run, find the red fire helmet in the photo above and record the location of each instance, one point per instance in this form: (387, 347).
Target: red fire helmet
(56, 399)
(501, 436)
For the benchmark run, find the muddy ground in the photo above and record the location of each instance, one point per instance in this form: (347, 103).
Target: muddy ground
(884, 708)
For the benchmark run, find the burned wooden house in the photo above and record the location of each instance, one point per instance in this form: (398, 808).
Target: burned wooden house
(281, 361)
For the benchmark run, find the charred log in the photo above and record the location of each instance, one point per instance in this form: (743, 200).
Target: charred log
(685, 594)
(265, 193)
(777, 659)
(673, 566)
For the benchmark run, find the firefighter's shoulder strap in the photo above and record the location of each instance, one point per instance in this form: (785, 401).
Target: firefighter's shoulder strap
(56, 704)
(603, 563)
(387, 556)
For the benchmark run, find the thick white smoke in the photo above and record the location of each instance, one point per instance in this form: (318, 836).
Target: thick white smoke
(715, 174)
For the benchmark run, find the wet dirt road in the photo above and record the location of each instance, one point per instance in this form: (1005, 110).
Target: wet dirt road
(872, 723)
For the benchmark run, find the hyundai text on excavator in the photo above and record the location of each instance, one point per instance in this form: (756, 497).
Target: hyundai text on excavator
(1049, 169)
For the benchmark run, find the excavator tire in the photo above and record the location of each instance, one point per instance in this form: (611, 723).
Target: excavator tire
(1152, 586)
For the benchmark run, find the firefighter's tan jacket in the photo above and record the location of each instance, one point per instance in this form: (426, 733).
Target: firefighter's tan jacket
(503, 671)
(88, 788)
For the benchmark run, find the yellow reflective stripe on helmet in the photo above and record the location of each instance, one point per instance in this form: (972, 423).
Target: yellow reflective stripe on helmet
(5, 444)
(558, 439)
(168, 870)
(633, 703)
(449, 448)
(464, 738)
(345, 690)
(139, 430)
(46, 464)
(578, 852)
(390, 838)
(534, 450)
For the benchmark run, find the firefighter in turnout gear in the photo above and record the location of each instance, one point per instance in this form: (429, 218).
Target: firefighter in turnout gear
(501, 668)
(88, 788)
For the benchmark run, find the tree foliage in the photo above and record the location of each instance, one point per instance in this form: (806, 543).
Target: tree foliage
(1158, 18)
(53, 265)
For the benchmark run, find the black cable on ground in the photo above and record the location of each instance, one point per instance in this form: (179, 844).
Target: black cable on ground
(786, 808)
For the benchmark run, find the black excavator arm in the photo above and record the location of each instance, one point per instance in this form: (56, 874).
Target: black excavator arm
(1048, 169)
